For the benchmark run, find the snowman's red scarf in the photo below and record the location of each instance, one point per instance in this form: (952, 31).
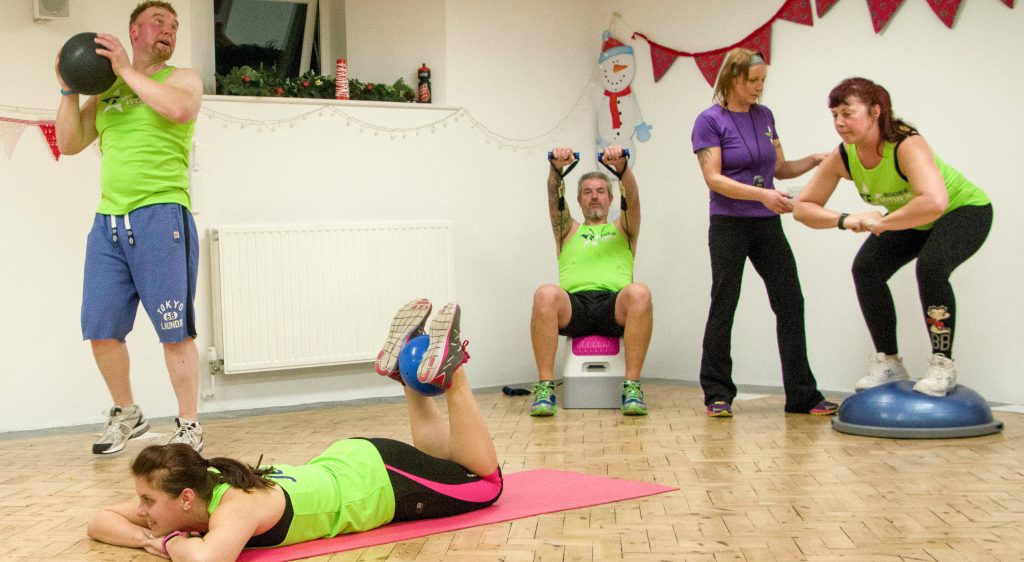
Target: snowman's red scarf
(613, 105)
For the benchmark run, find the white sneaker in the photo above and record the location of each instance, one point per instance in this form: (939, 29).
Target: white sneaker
(189, 433)
(122, 425)
(939, 379)
(881, 371)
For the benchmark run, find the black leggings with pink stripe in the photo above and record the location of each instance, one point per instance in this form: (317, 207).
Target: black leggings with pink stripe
(427, 487)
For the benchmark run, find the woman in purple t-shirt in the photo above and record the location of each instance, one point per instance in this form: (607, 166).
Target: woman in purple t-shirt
(740, 155)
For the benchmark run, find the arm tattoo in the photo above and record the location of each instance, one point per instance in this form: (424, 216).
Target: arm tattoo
(703, 156)
(554, 180)
(560, 221)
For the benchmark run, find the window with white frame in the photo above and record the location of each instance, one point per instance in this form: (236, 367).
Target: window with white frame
(284, 34)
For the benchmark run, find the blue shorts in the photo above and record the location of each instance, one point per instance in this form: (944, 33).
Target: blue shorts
(150, 255)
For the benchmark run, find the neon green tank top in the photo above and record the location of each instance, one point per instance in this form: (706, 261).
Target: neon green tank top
(344, 490)
(596, 258)
(882, 185)
(145, 156)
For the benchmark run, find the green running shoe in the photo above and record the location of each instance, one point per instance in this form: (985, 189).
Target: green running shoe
(546, 402)
(633, 399)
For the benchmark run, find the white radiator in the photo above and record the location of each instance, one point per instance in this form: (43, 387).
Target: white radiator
(290, 296)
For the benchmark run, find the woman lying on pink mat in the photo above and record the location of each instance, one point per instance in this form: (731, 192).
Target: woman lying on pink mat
(190, 507)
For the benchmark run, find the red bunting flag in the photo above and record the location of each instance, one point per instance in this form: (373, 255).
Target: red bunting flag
(50, 132)
(882, 11)
(946, 10)
(709, 65)
(1008, 3)
(661, 59)
(797, 11)
(822, 6)
(760, 41)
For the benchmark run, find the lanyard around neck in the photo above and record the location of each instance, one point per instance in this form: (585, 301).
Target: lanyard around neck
(753, 128)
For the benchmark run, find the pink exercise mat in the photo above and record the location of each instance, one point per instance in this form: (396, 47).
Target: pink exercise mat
(528, 493)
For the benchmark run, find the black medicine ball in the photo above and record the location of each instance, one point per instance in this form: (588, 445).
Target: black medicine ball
(82, 69)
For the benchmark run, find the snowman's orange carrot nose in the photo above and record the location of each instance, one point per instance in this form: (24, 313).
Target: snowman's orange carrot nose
(619, 67)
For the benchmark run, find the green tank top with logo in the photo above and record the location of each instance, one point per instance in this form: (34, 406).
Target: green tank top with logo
(145, 156)
(883, 185)
(344, 490)
(596, 258)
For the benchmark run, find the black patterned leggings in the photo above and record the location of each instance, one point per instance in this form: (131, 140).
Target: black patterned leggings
(954, 238)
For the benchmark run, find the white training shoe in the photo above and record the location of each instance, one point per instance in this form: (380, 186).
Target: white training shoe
(881, 371)
(189, 433)
(939, 379)
(122, 424)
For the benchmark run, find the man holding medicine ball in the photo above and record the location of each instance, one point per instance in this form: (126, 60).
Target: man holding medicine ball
(143, 244)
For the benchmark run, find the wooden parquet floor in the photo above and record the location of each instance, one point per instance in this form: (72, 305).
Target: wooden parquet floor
(763, 485)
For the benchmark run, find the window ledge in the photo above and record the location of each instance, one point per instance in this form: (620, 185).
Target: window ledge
(323, 101)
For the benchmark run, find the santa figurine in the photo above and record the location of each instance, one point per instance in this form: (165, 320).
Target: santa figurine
(618, 114)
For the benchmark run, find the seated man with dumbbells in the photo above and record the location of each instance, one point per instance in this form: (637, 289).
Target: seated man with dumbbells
(596, 294)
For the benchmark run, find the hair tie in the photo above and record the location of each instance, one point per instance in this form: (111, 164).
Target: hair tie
(211, 469)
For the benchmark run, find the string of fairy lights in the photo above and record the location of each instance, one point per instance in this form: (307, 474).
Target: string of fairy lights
(452, 116)
(340, 110)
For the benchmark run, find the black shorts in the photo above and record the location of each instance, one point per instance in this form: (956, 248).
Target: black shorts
(593, 314)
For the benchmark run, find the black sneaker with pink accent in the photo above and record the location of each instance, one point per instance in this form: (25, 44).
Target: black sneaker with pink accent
(407, 324)
(446, 352)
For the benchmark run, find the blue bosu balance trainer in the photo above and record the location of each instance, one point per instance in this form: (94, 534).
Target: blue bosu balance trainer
(894, 410)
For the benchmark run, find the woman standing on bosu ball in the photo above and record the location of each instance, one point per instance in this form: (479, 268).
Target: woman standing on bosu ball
(190, 507)
(934, 214)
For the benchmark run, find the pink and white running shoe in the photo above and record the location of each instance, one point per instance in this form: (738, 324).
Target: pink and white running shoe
(446, 353)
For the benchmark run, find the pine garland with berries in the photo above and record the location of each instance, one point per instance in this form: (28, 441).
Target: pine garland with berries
(268, 82)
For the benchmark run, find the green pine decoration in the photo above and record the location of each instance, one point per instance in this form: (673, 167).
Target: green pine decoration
(263, 81)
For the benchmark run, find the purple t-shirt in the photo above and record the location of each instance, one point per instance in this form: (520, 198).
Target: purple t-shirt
(747, 150)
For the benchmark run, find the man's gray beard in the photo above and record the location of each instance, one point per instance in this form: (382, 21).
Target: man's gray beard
(595, 214)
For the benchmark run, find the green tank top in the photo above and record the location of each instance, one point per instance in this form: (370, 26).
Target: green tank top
(145, 156)
(344, 490)
(596, 258)
(882, 185)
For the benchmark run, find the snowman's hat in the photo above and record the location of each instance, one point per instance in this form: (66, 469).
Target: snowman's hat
(612, 47)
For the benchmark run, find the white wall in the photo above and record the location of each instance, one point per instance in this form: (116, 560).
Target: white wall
(385, 41)
(520, 74)
(200, 28)
(332, 13)
(958, 86)
(31, 48)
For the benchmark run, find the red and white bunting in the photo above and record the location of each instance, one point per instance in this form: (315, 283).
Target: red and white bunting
(11, 130)
(798, 11)
(708, 62)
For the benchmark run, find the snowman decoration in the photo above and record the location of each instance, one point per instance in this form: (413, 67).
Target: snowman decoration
(618, 114)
